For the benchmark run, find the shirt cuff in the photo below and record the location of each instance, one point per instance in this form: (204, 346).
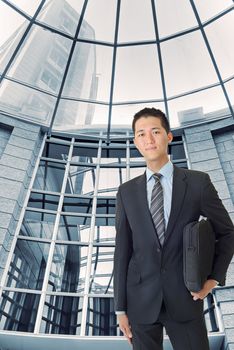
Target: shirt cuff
(120, 312)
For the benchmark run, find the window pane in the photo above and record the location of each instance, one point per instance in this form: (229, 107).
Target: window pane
(36, 224)
(62, 315)
(110, 179)
(220, 34)
(56, 151)
(230, 90)
(210, 8)
(84, 153)
(211, 100)
(187, 64)
(49, 176)
(77, 204)
(63, 15)
(134, 172)
(113, 156)
(68, 269)
(99, 29)
(133, 83)
(173, 18)
(105, 206)
(102, 267)
(18, 311)
(28, 265)
(101, 318)
(43, 201)
(81, 180)
(74, 228)
(136, 21)
(104, 234)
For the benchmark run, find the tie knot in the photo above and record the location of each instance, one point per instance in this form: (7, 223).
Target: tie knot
(157, 176)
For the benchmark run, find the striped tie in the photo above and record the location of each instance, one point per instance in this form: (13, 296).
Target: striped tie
(157, 208)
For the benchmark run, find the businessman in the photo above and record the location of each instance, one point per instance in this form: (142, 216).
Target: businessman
(152, 210)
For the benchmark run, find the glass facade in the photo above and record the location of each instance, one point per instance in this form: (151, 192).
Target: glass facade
(61, 268)
(65, 64)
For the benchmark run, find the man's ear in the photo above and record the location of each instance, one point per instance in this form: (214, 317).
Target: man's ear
(170, 137)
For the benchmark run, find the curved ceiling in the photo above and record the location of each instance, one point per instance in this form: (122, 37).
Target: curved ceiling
(69, 64)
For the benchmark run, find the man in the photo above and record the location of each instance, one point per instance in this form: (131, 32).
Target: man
(152, 210)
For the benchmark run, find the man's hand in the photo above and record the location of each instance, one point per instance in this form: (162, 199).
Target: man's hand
(207, 288)
(125, 327)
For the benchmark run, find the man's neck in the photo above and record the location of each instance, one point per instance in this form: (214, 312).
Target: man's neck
(156, 166)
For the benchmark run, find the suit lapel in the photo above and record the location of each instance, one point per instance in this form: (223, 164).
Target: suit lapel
(144, 211)
(179, 187)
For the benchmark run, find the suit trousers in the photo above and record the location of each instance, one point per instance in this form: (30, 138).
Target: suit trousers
(189, 335)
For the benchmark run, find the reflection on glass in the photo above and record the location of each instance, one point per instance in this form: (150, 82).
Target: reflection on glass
(68, 268)
(101, 318)
(105, 206)
(104, 234)
(74, 228)
(43, 201)
(129, 72)
(49, 176)
(28, 265)
(62, 315)
(86, 153)
(102, 267)
(55, 150)
(18, 311)
(105, 220)
(81, 180)
(77, 204)
(110, 179)
(36, 224)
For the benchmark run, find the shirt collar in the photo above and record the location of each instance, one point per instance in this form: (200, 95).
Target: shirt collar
(166, 171)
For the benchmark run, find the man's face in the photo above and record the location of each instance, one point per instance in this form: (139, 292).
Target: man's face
(151, 139)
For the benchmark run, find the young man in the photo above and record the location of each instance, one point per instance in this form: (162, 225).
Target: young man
(151, 213)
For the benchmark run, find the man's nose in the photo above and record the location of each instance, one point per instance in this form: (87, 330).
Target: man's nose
(149, 138)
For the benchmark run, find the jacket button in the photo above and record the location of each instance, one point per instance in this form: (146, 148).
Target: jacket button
(158, 250)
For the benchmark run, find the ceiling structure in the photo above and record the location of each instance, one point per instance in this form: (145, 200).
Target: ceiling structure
(72, 64)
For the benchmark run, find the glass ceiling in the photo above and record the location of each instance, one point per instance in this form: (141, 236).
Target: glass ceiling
(77, 63)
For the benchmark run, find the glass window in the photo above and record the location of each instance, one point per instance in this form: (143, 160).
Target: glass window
(55, 150)
(62, 315)
(71, 115)
(104, 234)
(133, 83)
(63, 15)
(187, 64)
(134, 172)
(68, 269)
(113, 156)
(81, 180)
(93, 28)
(110, 179)
(49, 176)
(29, 7)
(37, 224)
(230, 90)
(105, 206)
(84, 153)
(26, 103)
(28, 265)
(104, 220)
(210, 8)
(101, 318)
(102, 267)
(43, 201)
(173, 18)
(220, 35)
(77, 204)
(136, 21)
(211, 100)
(18, 311)
(74, 228)
(177, 151)
(89, 74)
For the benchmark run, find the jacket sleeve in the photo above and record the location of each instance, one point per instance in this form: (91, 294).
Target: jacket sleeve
(214, 210)
(122, 255)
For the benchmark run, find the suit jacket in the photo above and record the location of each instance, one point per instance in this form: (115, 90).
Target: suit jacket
(144, 273)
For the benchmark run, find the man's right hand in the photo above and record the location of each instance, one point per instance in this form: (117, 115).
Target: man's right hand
(125, 327)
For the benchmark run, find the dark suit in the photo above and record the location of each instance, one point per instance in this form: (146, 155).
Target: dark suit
(144, 273)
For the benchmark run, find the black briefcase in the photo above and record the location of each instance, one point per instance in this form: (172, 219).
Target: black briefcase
(198, 253)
